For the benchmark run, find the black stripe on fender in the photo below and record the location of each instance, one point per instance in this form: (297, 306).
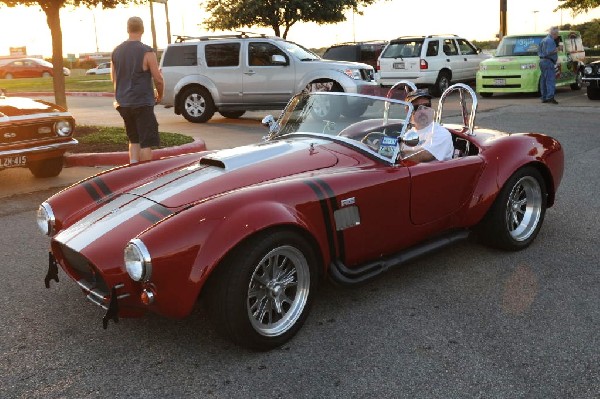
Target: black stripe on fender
(334, 206)
(91, 190)
(326, 217)
(102, 186)
(155, 213)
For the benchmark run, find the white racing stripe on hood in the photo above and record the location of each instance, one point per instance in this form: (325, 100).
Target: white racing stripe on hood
(114, 213)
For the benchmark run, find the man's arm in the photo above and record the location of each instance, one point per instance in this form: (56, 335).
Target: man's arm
(151, 64)
(420, 155)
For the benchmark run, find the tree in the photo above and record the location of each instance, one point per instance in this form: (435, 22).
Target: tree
(234, 14)
(578, 6)
(52, 10)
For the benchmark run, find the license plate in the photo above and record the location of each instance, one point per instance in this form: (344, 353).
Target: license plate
(499, 82)
(9, 162)
(398, 65)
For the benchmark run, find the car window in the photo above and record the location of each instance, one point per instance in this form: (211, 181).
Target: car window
(403, 49)
(465, 47)
(298, 51)
(518, 45)
(369, 53)
(259, 53)
(222, 54)
(181, 56)
(341, 53)
(449, 47)
(432, 48)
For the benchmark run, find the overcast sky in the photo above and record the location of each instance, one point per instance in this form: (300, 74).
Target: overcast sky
(26, 26)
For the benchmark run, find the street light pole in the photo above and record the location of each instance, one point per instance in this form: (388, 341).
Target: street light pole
(535, 19)
(95, 31)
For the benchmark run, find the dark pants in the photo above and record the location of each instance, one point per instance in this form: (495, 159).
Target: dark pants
(141, 125)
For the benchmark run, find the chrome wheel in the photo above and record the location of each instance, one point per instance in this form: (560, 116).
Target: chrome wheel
(278, 291)
(524, 208)
(195, 105)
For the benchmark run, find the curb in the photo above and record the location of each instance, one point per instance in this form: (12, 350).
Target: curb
(122, 158)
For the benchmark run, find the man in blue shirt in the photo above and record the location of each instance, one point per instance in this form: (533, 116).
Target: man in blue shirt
(548, 53)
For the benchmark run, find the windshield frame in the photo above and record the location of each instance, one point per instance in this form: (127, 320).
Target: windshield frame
(353, 143)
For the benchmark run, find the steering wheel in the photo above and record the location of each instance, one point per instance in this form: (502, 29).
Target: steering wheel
(373, 140)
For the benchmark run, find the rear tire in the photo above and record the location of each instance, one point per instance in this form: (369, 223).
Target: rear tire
(232, 114)
(8, 76)
(515, 218)
(46, 74)
(46, 167)
(578, 81)
(197, 105)
(441, 84)
(260, 295)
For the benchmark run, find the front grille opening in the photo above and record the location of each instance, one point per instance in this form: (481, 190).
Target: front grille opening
(83, 269)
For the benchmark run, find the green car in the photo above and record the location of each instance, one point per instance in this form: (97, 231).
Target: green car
(515, 66)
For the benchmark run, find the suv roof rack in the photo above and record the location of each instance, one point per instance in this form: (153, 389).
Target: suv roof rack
(425, 37)
(240, 35)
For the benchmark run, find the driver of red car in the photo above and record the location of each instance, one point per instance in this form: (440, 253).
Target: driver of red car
(435, 141)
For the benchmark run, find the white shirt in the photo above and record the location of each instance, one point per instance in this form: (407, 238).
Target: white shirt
(436, 139)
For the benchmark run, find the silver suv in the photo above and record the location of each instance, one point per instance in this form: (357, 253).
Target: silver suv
(235, 73)
(429, 61)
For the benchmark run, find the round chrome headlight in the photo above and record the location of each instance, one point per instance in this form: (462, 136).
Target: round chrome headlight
(137, 260)
(588, 70)
(63, 128)
(45, 219)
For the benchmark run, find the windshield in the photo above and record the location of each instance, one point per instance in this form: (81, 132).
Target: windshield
(298, 51)
(403, 49)
(371, 123)
(519, 46)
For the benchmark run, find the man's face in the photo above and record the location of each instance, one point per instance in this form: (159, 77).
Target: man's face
(423, 113)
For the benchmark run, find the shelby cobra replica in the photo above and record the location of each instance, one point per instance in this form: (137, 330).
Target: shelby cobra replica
(34, 134)
(251, 230)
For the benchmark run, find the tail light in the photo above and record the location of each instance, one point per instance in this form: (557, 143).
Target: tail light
(424, 64)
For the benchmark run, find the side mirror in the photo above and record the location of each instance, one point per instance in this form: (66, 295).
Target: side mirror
(278, 59)
(410, 138)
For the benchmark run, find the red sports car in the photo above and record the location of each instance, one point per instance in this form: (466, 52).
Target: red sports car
(251, 230)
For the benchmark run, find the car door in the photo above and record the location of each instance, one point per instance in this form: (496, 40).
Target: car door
(224, 68)
(440, 188)
(471, 58)
(263, 80)
(453, 58)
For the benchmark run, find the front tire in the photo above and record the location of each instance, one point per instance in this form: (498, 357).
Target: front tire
(324, 109)
(261, 294)
(578, 81)
(197, 105)
(517, 214)
(46, 74)
(8, 76)
(46, 167)
(593, 93)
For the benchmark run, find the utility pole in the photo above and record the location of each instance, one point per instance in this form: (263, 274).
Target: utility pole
(503, 21)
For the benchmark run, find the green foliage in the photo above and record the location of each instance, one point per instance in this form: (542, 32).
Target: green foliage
(116, 135)
(236, 14)
(95, 83)
(590, 32)
(578, 6)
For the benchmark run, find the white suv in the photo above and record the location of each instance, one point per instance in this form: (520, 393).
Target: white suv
(235, 73)
(429, 61)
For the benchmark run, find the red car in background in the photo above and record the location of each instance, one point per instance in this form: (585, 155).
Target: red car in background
(28, 68)
(251, 230)
(34, 134)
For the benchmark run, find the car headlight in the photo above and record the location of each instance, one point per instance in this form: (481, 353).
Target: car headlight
(588, 70)
(529, 66)
(45, 219)
(483, 67)
(352, 73)
(63, 128)
(138, 262)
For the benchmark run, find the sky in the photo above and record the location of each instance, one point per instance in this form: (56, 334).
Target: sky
(87, 30)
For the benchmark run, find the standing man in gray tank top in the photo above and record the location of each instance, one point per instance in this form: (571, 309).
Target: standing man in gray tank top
(133, 68)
